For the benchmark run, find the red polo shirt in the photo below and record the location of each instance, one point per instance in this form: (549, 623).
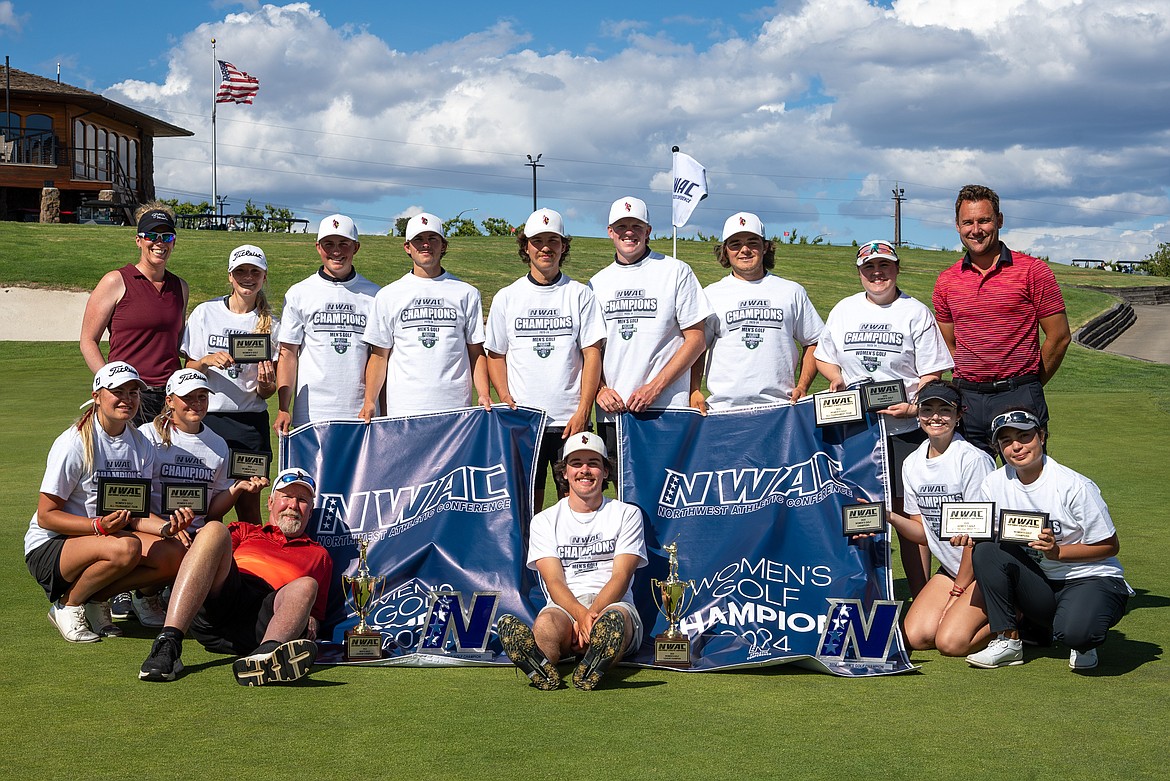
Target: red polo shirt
(265, 552)
(997, 316)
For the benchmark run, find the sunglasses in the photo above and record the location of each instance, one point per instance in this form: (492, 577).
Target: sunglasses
(295, 477)
(876, 248)
(165, 238)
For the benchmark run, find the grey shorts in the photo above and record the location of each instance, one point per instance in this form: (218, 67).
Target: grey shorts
(587, 601)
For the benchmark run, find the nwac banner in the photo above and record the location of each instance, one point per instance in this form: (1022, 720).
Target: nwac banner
(753, 499)
(443, 502)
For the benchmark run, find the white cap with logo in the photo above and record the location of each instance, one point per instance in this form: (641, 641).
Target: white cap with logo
(114, 374)
(421, 223)
(247, 255)
(585, 441)
(742, 222)
(624, 208)
(184, 381)
(337, 225)
(545, 221)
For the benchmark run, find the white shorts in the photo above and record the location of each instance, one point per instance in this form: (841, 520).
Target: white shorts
(587, 601)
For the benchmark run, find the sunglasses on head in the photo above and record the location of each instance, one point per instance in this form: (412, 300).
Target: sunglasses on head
(295, 477)
(165, 238)
(1014, 418)
(875, 248)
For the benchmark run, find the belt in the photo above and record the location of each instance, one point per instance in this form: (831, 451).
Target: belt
(997, 386)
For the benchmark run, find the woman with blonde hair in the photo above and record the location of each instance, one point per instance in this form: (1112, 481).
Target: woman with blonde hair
(80, 557)
(238, 410)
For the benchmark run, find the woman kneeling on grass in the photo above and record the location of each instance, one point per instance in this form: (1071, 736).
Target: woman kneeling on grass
(81, 558)
(189, 452)
(1069, 579)
(948, 614)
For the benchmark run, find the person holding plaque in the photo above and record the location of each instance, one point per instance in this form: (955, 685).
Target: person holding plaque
(586, 549)
(948, 613)
(258, 592)
(881, 335)
(191, 459)
(239, 386)
(1068, 577)
(544, 337)
(764, 329)
(93, 535)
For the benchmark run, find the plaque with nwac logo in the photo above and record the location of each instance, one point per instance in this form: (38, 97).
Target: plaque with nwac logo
(1020, 526)
(124, 493)
(974, 519)
(863, 518)
(250, 348)
(177, 495)
(835, 408)
(242, 464)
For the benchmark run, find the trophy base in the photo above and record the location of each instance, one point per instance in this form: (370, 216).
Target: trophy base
(672, 651)
(362, 646)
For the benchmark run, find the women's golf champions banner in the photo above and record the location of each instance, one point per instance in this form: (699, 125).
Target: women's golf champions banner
(751, 498)
(443, 503)
(753, 501)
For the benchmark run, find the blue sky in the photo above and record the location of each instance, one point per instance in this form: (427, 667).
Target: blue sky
(808, 113)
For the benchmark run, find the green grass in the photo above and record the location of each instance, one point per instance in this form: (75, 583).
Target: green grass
(79, 711)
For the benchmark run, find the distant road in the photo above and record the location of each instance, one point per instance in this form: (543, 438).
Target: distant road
(1148, 338)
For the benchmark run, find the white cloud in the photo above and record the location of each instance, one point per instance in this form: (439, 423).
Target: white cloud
(10, 21)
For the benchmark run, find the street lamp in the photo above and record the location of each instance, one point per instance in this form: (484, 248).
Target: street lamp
(534, 164)
(455, 221)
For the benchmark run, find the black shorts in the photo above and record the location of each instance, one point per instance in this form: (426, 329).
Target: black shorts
(248, 431)
(235, 620)
(549, 452)
(44, 562)
(900, 447)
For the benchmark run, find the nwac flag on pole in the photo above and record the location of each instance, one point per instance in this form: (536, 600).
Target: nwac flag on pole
(235, 85)
(690, 187)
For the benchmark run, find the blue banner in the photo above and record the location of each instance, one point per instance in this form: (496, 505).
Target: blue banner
(753, 499)
(443, 502)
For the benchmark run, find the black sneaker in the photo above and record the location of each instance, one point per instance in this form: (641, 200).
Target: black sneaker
(275, 662)
(605, 643)
(163, 664)
(520, 645)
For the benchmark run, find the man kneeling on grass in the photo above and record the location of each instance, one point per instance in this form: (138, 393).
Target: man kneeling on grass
(254, 591)
(586, 548)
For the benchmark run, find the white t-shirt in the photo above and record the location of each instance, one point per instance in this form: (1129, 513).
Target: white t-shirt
(1076, 514)
(207, 332)
(127, 455)
(898, 341)
(191, 458)
(953, 476)
(427, 324)
(541, 329)
(646, 305)
(586, 543)
(752, 341)
(327, 318)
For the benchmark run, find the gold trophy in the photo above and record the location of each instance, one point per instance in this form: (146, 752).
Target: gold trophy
(672, 648)
(361, 592)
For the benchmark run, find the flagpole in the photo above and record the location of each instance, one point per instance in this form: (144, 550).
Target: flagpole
(673, 228)
(214, 83)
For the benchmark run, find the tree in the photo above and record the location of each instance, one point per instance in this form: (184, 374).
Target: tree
(186, 207)
(498, 226)
(400, 226)
(1158, 263)
(461, 226)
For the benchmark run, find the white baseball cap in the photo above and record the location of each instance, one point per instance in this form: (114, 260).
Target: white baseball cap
(545, 221)
(628, 207)
(115, 374)
(247, 255)
(585, 441)
(421, 223)
(337, 225)
(184, 381)
(877, 248)
(294, 476)
(742, 222)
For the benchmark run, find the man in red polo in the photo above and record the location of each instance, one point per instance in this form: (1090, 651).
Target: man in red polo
(991, 307)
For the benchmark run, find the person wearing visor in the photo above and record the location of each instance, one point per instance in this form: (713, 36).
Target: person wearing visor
(143, 306)
(83, 557)
(1069, 578)
(948, 612)
(258, 592)
(764, 328)
(238, 407)
(879, 335)
(320, 374)
(544, 337)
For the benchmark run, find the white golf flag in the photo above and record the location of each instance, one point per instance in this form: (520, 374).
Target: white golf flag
(690, 187)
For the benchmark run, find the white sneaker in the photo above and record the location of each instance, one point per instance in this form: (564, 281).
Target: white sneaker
(101, 621)
(70, 622)
(1000, 652)
(149, 610)
(1082, 660)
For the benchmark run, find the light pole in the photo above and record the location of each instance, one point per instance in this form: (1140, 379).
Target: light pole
(534, 164)
(899, 196)
(455, 220)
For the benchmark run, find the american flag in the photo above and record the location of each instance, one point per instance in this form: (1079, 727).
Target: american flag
(236, 86)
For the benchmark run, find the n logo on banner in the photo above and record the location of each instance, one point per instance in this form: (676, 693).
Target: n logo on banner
(851, 636)
(472, 627)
